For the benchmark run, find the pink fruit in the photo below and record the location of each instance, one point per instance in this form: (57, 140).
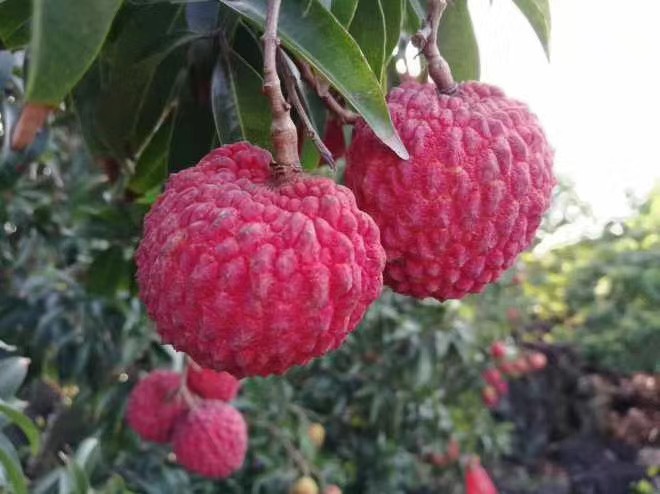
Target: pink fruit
(155, 405)
(212, 440)
(498, 350)
(477, 480)
(253, 275)
(212, 385)
(456, 215)
(537, 361)
(490, 396)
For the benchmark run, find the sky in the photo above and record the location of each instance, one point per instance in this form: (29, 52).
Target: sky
(598, 97)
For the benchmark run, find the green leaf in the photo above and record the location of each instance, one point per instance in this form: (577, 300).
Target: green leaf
(538, 15)
(133, 94)
(240, 110)
(394, 12)
(193, 136)
(458, 43)
(67, 35)
(106, 272)
(25, 424)
(313, 34)
(344, 10)
(12, 374)
(14, 473)
(15, 22)
(151, 168)
(368, 29)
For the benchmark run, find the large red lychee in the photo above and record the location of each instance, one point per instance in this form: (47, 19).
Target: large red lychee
(470, 198)
(477, 480)
(155, 405)
(250, 275)
(212, 385)
(211, 440)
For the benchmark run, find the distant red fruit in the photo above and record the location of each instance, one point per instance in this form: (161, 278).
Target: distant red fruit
(537, 361)
(154, 406)
(477, 480)
(513, 315)
(333, 138)
(212, 385)
(453, 450)
(521, 366)
(498, 350)
(490, 396)
(492, 376)
(212, 440)
(509, 369)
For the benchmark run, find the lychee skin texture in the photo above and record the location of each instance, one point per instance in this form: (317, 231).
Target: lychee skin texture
(456, 215)
(154, 406)
(212, 385)
(211, 440)
(252, 277)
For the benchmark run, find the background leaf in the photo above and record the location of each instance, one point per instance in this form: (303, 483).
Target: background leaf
(368, 29)
(313, 34)
(58, 61)
(151, 168)
(15, 22)
(538, 15)
(344, 10)
(14, 473)
(12, 374)
(24, 423)
(458, 43)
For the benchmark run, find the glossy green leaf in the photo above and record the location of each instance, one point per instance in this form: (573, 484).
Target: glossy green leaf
(193, 135)
(538, 15)
(12, 374)
(314, 35)
(240, 110)
(24, 423)
(368, 29)
(15, 22)
(344, 11)
(394, 13)
(106, 272)
(458, 43)
(14, 473)
(132, 97)
(67, 35)
(151, 167)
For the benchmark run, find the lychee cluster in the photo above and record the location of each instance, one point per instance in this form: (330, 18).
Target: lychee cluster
(455, 215)
(508, 362)
(446, 459)
(209, 436)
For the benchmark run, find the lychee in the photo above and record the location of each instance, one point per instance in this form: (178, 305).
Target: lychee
(305, 485)
(477, 480)
(490, 396)
(455, 215)
(212, 385)
(316, 434)
(498, 350)
(253, 275)
(537, 361)
(211, 440)
(155, 405)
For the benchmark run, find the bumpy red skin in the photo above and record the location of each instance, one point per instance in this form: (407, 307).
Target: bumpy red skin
(456, 215)
(211, 440)
(253, 277)
(154, 406)
(212, 385)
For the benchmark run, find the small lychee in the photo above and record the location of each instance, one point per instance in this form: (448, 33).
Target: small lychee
(211, 440)
(477, 480)
(332, 489)
(490, 396)
(305, 485)
(498, 350)
(537, 361)
(155, 405)
(252, 273)
(316, 434)
(210, 384)
(455, 215)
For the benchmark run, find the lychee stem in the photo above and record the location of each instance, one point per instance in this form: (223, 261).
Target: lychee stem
(283, 131)
(426, 39)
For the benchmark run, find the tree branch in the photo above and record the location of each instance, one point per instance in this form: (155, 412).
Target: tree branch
(344, 115)
(426, 39)
(291, 82)
(283, 131)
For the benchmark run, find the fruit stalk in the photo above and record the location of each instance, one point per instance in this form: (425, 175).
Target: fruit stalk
(426, 39)
(283, 131)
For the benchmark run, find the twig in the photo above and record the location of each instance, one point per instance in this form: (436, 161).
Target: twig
(283, 130)
(345, 116)
(291, 83)
(426, 39)
(30, 122)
